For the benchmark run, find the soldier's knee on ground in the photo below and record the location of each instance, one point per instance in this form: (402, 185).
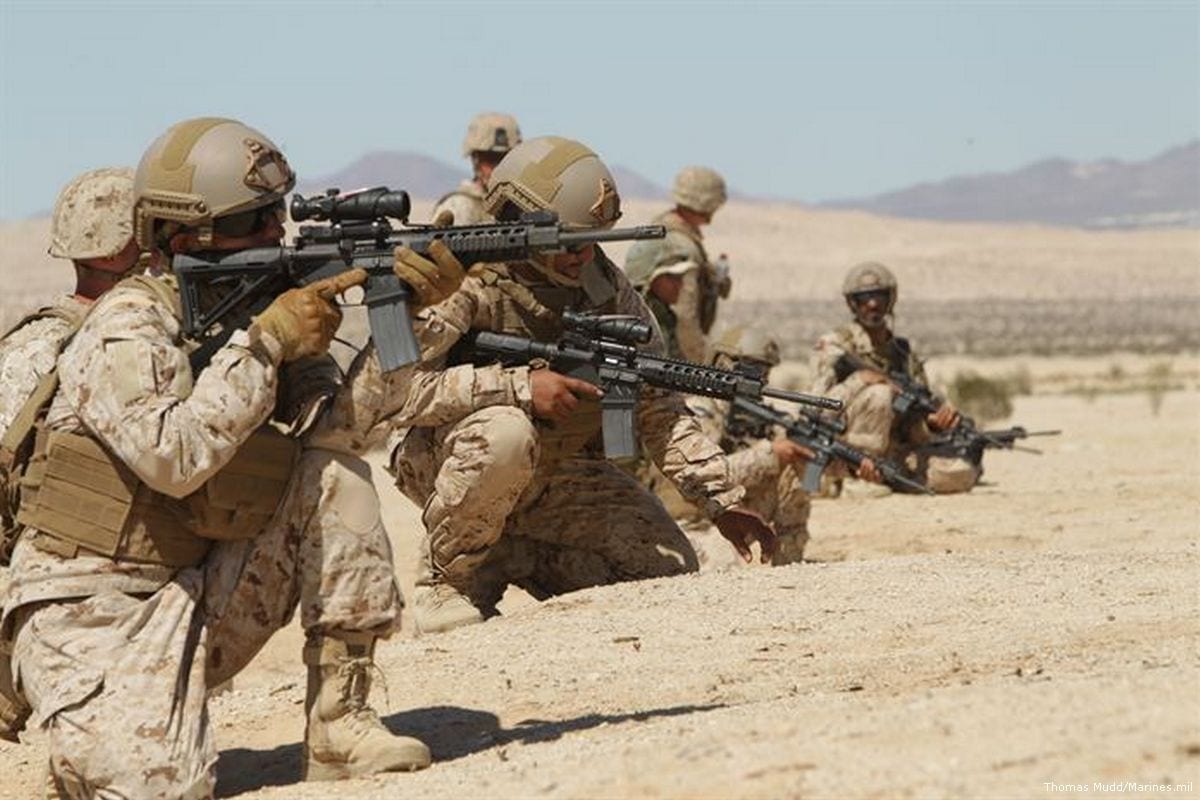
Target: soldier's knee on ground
(951, 475)
(869, 418)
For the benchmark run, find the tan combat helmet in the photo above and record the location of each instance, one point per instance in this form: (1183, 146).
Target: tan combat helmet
(747, 344)
(491, 132)
(206, 168)
(870, 276)
(93, 216)
(700, 189)
(554, 174)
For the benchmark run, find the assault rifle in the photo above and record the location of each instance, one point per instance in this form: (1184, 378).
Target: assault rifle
(965, 440)
(820, 435)
(603, 350)
(969, 443)
(359, 234)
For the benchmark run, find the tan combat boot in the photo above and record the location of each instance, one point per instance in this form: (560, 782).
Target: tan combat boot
(344, 737)
(437, 606)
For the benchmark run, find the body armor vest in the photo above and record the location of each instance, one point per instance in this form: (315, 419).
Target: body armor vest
(79, 498)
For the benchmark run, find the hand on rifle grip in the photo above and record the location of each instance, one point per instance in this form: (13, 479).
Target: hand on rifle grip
(432, 279)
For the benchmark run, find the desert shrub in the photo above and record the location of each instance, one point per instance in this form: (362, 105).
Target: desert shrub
(985, 399)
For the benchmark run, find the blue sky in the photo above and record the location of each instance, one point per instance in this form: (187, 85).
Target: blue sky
(805, 101)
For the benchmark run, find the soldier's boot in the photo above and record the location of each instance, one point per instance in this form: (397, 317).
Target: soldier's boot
(344, 737)
(790, 549)
(437, 606)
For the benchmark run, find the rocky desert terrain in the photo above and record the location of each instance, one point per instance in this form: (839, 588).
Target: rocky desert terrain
(1038, 637)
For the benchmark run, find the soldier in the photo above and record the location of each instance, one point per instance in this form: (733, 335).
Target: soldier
(698, 193)
(768, 465)
(170, 530)
(520, 493)
(489, 136)
(93, 226)
(870, 290)
(660, 285)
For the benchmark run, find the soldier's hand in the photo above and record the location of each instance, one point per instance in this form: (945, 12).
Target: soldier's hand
(944, 419)
(788, 452)
(742, 527)
(432, 279)
(304, 320)
(444, 219)
(555, 395)
(867, 471)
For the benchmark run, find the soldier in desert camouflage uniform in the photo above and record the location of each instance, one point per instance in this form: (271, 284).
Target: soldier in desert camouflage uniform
(520, 493)
(698, 193)
(489, 137)
(870, 290)
(766, 464)
(171, 530)
(92, 225)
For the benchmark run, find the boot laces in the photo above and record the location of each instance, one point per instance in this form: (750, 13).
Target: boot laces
(354, 675)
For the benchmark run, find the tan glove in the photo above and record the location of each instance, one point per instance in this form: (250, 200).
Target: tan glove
(444, 219)
(431, 281)
(304, 320)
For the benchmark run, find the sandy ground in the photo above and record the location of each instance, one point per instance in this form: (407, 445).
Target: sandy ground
(1040, 633)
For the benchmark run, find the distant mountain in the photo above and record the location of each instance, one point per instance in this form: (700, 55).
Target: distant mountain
(631, 184)
(1163, 191)
(419, 175)
(428, 178)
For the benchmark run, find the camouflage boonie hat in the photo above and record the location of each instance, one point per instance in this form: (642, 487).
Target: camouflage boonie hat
(93, 216)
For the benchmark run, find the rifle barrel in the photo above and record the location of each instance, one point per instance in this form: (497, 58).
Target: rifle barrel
(803, 399)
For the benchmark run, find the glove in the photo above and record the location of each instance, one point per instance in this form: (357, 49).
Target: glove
(304, 320)
(742, 527)
(432, 281)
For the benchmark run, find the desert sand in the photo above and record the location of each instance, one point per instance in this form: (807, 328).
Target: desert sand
(1038, 637)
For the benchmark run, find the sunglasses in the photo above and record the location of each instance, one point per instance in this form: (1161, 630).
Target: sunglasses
(862, 298)
(248, 223)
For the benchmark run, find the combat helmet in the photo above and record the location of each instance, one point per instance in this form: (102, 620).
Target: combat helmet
(550, 173)
(491, 132)
(747, 344)
(202, 170)
(93, 216)
(870, 276)
(700, 189)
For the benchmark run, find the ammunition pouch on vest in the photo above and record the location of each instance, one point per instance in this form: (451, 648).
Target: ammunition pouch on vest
(78, 498)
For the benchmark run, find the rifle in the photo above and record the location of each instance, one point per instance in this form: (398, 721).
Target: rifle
(359, 234)
(969, 443)
(603, 350)
(819, 434)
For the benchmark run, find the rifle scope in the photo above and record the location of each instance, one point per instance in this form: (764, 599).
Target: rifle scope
(365, 204)
(621, 327)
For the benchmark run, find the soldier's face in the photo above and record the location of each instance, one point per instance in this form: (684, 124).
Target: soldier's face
(667, 288)
(570, 263)
(870, 308)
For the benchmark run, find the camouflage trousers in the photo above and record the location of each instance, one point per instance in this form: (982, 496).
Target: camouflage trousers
(121, 682)
(871, 426)
(493, 517)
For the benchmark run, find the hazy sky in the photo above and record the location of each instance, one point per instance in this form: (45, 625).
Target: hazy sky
(798, 100)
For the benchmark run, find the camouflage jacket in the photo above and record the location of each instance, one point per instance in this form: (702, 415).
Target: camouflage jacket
(852, 338)
(466, 203)
(516, 298)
